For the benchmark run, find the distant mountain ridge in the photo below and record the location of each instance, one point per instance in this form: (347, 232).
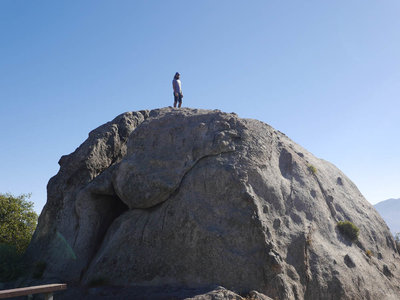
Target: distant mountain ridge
(390, 212)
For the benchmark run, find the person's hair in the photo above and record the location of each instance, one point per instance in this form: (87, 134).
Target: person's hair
(176, 75)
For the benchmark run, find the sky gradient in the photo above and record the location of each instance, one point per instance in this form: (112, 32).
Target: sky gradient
(327, 74)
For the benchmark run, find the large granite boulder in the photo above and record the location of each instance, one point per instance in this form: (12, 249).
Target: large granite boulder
(196, 198)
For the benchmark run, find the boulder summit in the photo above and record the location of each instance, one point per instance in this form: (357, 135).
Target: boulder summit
(194, 199)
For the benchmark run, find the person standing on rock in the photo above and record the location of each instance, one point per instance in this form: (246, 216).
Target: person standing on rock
(176, 85)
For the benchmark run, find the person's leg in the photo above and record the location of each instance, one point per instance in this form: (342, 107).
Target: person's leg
(175, 100)
(180, 101)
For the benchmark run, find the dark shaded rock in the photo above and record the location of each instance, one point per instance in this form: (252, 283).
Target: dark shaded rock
(349, 262)
(387, 271)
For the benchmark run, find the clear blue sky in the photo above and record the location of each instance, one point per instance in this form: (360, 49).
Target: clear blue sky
(326, 73)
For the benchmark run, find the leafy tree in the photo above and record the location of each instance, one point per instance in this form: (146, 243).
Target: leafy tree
(18, 221)
(17, 224)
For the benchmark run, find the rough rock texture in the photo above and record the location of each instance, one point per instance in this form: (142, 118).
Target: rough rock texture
(153, 293)
(220, 293)
(196, 198)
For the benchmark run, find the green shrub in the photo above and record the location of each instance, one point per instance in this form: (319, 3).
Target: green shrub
(348, 229)
(312, 169)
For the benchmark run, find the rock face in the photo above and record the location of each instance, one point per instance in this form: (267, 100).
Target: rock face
(196, 198)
